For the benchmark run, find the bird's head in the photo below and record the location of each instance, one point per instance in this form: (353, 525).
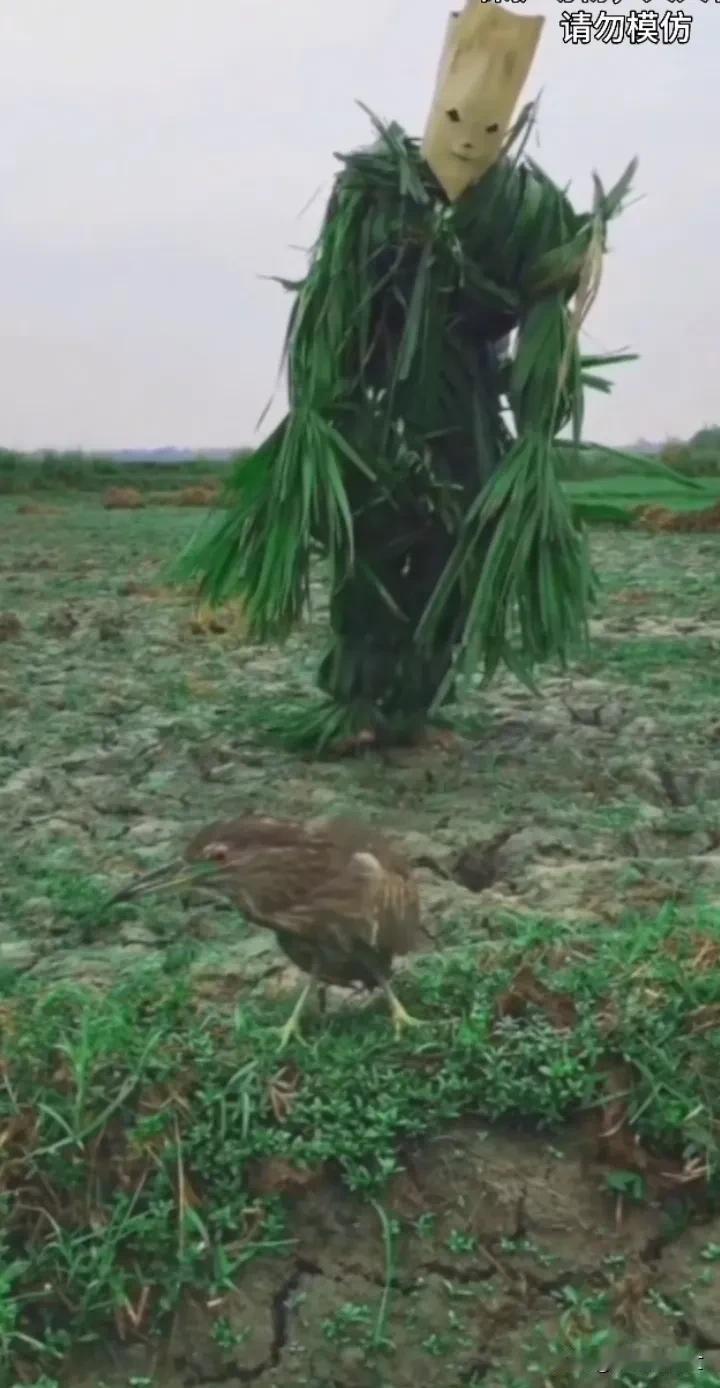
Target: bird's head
(208, 859)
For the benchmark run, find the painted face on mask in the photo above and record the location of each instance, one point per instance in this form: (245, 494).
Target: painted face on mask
(486, 59)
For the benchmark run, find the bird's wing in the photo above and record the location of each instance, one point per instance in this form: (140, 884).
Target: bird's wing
(399, 913)
(359, 908)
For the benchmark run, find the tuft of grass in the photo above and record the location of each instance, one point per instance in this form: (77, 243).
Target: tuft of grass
(130, 1122)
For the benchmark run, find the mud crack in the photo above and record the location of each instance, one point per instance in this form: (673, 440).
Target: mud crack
(279, 1316)
(280, 1307)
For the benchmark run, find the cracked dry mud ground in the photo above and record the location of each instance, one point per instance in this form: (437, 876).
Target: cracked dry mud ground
(123, 726)
(530, 1220)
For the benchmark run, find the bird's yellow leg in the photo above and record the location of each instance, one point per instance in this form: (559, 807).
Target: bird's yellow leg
(292, 1027)
(400, 1017)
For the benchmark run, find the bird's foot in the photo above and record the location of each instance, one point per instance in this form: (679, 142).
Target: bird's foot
(401, 1018)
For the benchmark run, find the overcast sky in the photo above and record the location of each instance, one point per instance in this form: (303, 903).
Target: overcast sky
(155, 156)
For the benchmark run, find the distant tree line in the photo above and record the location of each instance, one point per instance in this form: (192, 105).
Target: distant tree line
(699, 456)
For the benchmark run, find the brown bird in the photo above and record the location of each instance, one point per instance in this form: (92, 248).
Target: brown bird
(338, 895)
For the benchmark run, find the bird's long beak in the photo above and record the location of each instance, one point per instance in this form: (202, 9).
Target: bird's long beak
(178, 873)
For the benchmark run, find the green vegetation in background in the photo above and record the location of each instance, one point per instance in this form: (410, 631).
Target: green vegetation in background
(22, 473)
(699, 456)
(629, 491)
